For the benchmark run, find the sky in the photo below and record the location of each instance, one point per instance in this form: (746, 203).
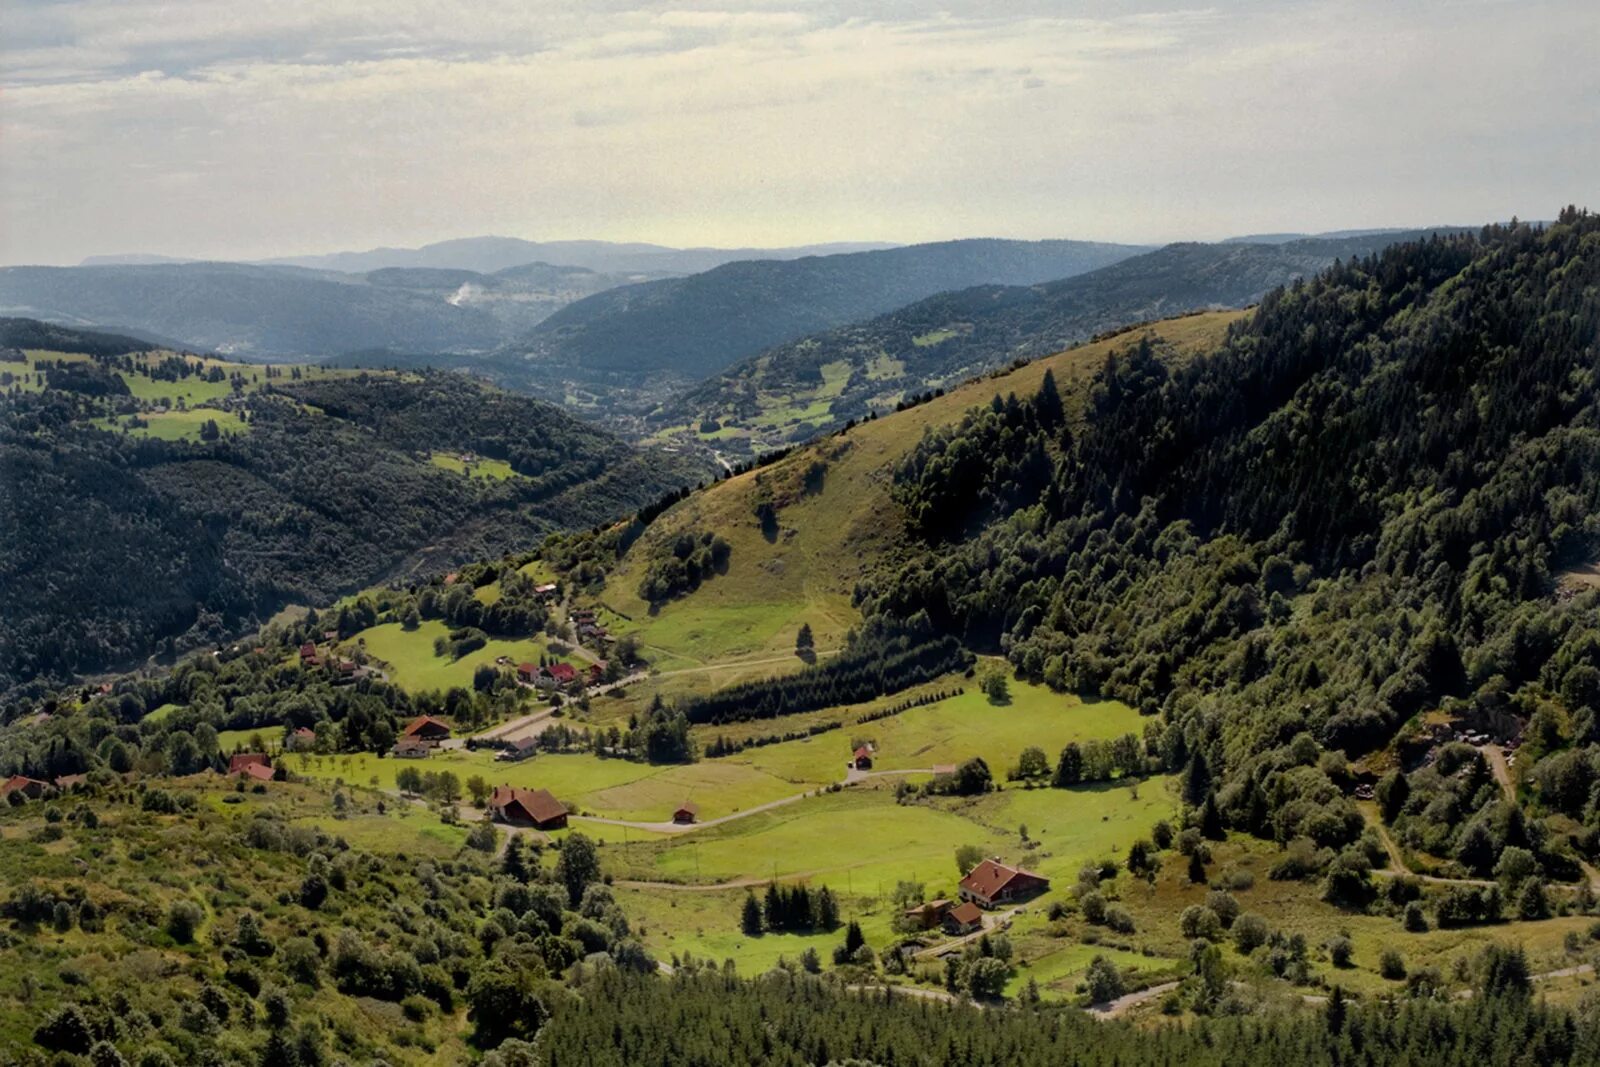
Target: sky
(252, 128)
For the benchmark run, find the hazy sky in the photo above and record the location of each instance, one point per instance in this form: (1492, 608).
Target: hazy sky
(245, 128)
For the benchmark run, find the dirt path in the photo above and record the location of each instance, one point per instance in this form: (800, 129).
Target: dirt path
(851, 778)
(1496, 758)
(1114, 1009)
(733, 665)
(992, 921)
(517, 726)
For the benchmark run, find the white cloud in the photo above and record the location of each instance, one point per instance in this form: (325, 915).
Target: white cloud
(243, 129)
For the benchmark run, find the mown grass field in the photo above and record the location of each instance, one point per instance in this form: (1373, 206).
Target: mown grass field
(410, 662)
(494, 469)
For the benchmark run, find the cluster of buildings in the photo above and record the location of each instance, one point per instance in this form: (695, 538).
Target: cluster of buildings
(420, 737)
(345, 670)
(988, 885)
(34, 788)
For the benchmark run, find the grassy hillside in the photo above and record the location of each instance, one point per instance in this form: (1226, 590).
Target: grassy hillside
(831, 537)
(819, 382)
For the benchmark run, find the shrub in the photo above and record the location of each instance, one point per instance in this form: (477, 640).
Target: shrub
(1341, 950)
(1250, 933)
(1391, 965)
(1198, 920)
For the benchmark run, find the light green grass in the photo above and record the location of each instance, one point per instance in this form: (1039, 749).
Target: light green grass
(411, 664)
(162, 712)
(482, 467)
(610, 788)
(270, 738)
(1058, 970)
(404, 828)
(932, 337)
(178, 425)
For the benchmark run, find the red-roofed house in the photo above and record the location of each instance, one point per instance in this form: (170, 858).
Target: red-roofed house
(862, 758)
(687, 812)
(563, 673)
(308, 654)
(992, 882)
(963, 919)
(302, 740)
(32, 788)
(412, 748)
(428, 729)
(258, 771)
(237, 764)
(527, 673)
(527, 807)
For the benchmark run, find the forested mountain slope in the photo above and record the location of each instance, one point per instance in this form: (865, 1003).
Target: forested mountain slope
(1285, 545)
(154, 500)
(1353, 511)
(684, 329)
(266, 311)
(819, 382)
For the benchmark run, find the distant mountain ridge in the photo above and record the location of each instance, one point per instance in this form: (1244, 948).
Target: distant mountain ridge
(486, 255)
(953, 335)
(686, 328)
(265, 312)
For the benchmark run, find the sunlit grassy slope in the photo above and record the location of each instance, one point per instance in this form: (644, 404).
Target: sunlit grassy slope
(829, 538)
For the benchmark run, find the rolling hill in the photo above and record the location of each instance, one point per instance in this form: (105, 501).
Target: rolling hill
(263, 312)
(817, 383)
(683, 329)
(493, 254)
(240, 489)
(1312, 542)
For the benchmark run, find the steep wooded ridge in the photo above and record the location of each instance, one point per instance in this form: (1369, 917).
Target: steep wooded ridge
(113, 545)
(265, 311)
(1352, 511)
(954, 335)
(687, 328)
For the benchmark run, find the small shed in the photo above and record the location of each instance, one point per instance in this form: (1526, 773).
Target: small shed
(687, 813)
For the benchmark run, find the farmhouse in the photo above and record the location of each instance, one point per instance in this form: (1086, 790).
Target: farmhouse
(687, 812)
(260, 772)
(527, 807)
(862, 759)
(69, 781)
(992, 882)
(308, 654)
(963, 919)
(562, 673)
(32, 788)
(238, 763)
(427, 729)
(929, 913)
(411, 748)
(302, 740)
(527, 673)
(545, 591)
(519, 749)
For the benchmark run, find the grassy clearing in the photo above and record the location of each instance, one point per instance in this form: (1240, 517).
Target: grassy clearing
(182, 425)
(481, 467)
(410, 661)
(706, 926)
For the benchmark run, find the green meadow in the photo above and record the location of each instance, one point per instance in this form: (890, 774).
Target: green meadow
(177, 425)
(482, 467)
(409, 659)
